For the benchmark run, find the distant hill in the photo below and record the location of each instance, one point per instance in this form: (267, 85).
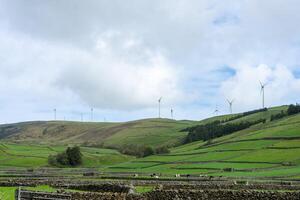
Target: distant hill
(154, 132)
(267, 150)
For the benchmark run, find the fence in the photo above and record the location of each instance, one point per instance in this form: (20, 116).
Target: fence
(21, 194)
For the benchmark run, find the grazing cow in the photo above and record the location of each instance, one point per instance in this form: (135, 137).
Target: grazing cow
(177, 175)
(156, 177)
(135, 175)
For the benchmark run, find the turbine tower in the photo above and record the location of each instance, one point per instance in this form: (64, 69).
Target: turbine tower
(92, 114)
(172, 113)
(159, 100)
(54, 110)
(81, 117)
(230, 102)
(216, 111)
(262, 91)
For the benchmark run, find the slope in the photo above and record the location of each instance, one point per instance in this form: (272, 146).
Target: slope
(264, 150)
(154, 132)
(33, 156)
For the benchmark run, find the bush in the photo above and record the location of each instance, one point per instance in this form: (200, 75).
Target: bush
(137, 150)
(162, 150)
(70, 157)
(74, 156)
(217, 129)
(278, 116)
(148, 151)
(293, 109)
(62, 158)
(244, 114)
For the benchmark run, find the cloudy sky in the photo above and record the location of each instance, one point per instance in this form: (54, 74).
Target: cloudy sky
(119, 57)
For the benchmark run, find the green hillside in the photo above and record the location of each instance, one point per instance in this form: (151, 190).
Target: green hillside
(154, 132)
(34, 156)
(264, 150)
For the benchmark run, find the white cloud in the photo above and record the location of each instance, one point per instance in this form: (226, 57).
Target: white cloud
(124, 55)
(122, 74)
(282, 87)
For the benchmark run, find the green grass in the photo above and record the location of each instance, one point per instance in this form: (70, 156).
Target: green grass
(143, 189)
(153, 132)
(33, 156)
(7, 193)
(253, 152)
(270, 155)
(270, 150)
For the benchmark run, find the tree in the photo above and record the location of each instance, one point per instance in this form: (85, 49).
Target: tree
(293, 109)
(148, 151)
(74, 156)
(70, 157)
(162, 150)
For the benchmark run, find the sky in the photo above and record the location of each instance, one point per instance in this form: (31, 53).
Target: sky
(119, 57)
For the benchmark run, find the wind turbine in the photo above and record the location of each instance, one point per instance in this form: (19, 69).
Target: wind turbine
(230, 102)
(92, 110)
(172, 113)
(54, 110)
(159, 100)
(262, 91)
(216, 111)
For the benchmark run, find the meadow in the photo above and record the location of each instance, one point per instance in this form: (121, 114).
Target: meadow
(265, 150)
(269, 150)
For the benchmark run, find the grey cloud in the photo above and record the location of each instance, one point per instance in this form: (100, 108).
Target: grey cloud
(78, 45)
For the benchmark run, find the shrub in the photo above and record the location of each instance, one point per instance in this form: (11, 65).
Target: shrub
(148, 151)
(278, 116)
(162, 150)
(217, 129)
(62, 158)
(73, 156)
(138, 150)
(293, 109)
(70, 157)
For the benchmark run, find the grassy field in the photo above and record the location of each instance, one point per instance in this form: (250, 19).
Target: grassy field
(8, 193)
(269, 150)
(33, 156)
(264, 150)
(154, 132)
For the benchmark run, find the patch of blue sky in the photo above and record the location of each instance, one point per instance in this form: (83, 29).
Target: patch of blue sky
(225, 19)
(297, 72)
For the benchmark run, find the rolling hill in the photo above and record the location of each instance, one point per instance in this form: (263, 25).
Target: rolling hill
(264, 150)
(34, 156)
(154, 132)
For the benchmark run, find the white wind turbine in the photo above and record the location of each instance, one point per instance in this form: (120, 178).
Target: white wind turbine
(230, 102)
(159, 100)
(54, 110)
(262, 91)
(216, 112)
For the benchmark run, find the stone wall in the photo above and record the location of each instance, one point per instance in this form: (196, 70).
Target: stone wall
(191, 195)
